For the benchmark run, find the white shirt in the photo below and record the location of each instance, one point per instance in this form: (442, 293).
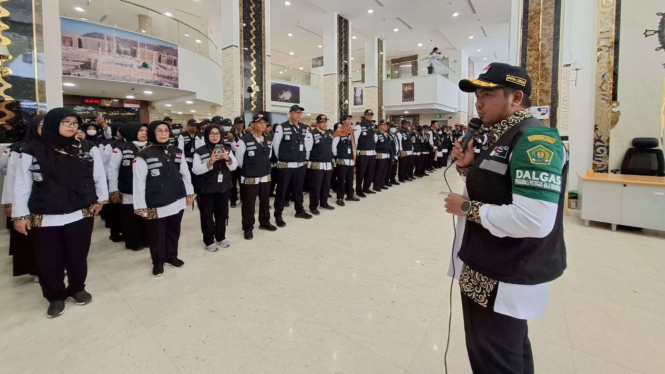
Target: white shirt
(23, 189)
(117, 157)
(277, 140)
(10, 177)
(241, 148)
(4, 161)
(140, 172)
(358, 130)
(200, 165)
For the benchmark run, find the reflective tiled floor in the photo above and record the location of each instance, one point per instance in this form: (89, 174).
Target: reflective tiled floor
(361, 290)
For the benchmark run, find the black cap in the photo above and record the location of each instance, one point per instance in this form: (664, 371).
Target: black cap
(404, 121)
(321, 118)
(258, 117)
(346, 116)
(296, 107)
(238, 120)
(191, 122)
(392, 124)
(499, 75)
(383, 122)
(177, 126)
(167, 119)
(368, 111)
(217, 119)
(226, 122)
(205, 121)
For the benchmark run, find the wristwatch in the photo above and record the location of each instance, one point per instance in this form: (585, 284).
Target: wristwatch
(466, 207)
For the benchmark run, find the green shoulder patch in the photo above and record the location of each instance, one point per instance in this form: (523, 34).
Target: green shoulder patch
(537, 163)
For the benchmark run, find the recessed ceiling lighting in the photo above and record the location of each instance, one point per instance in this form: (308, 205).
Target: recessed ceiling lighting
(301, 68)
(291, 53)
(320, 46)
(471, 37)
(129, 96)
(193, 111)
(79, 9)
(281, 72)
(420, 44)
(142, 31)
(354, 37)
(198, 40)
(189, 102)
(168, 14)
(83, 19)
(179, 112)
(396, 29)
(289, 34)
(455, 14)
(169, 105)
(69, 84)
(406, 112)
(485, 58)
(478, 50)
(287, 3)
(187, 35)
(309, 114)
(147, 92)
(370, 11)
(351, 58)
(244, 24)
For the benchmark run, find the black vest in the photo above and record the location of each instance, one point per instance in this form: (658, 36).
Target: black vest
(345, 147)
(407, 144)
(393, 145)
(49, 197)
(415, 140)
(292, 146)
(163, 185)
(256, 160)
(208, 183)
(322, 148)
(438, 142)
(383, 143)
(125, 172)
(424, 142)
(446, 141)
(512, 260)
(366, 140)
(189, 143)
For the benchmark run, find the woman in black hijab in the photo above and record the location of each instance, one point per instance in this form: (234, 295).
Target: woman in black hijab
(60, 187)
(212, 165)
(161, 189)
(19, 245)
(121, 180)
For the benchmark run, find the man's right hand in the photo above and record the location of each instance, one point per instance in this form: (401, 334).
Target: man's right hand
(463, 158)
(22, 226)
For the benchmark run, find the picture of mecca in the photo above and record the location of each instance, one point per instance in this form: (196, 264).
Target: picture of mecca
(96, 51)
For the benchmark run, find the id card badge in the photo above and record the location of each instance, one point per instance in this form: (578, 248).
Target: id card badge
(445, 151)
(302, 148)
(220, 178)
(348, 151)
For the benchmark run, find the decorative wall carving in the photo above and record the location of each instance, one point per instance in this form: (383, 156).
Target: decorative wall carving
(252, 40)
(231, 82)
(343, 63)
(380, 92)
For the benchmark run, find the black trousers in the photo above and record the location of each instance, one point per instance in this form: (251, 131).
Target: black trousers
(444, 159)
(62, 247)
(273, 181)
(496, 343)
(22, 251)
(163, 236)
(403, 164)
(112, 218)
(214, 213)
(419, 165)
(411, 166)
(365, 166)
(250, 192)
(295, 177)
(344, 181)
(380, 172)
(133, 228)
(235, 179)
(319, 183)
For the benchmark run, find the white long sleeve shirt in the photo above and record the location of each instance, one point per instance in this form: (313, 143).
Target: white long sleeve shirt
(117, 157)
(356, 134)
(23, 189)
(140, 172)
(4, 161)
(10, 178)
(200, 166)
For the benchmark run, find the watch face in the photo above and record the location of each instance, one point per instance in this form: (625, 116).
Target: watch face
(466, 206)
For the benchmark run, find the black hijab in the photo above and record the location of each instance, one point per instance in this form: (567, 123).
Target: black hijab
(115, 126)
(130, 131)
(206, 135)
(152, 137)
(51, 129)
(32, 133)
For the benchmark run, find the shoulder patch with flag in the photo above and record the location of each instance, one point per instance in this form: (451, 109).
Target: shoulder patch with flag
(537, 163)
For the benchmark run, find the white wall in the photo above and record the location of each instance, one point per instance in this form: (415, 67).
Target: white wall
(200, 75)
(311, 98)
(431, 92)
(52, 54)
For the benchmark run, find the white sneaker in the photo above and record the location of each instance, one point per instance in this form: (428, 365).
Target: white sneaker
(211, 248)
(224, 243)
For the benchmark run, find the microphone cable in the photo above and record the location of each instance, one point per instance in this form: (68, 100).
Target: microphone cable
(452, 279)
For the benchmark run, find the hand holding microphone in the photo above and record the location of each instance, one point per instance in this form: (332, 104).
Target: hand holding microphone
(463, 151)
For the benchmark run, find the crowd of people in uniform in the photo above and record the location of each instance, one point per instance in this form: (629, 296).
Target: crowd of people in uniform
(140, 177)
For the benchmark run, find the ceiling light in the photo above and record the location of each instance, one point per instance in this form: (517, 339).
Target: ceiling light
(129, 96)
(189, 102)
(291, 53)
(478, 50)
(406, 112)
(396, 29)
(351, 58)
(309, 114)
(301, 68)
(198, 40)
(320, 46)
(290, 34)
(168, 14)
(281, 72)
(244, 24)
(370, 11)
(485, 58)
(83, 19)
(79, 9)
(187, 35)
(354, 37)
(420, 44)
(471, 37)
(142, 31)
(455, 14)
(147, 92)
(287, 3)
(169, 105)
(179, 112)
(193, 111)
(69, 84)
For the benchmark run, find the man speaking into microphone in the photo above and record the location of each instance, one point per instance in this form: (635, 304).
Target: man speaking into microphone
(510, 242)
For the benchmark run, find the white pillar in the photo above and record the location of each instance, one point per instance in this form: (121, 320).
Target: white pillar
(515, 34)
(330, 67)
(52, 49)
(231, 70)
(371, 99)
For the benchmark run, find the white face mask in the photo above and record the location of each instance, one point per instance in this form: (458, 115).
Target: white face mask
(138, 143)
(91, 132)
(176, 132)
(393, 130)
(226, 128)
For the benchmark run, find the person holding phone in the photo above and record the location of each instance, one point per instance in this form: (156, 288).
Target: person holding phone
(253, 152)
(344, 150)
(162, 188)
(213, 164)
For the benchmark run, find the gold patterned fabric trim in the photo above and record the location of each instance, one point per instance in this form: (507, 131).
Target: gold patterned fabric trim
(285, 165)
(20, 218)
(191, 196)
(365, 153)
(104, 202)
(474, 213)
(497, 130)
(463, 171)
(36, 220)
(147, 213)
(6, 205)
(476, 286)
(87, 212)
(344, 162)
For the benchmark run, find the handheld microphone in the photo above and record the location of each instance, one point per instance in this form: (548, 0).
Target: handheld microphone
(474, 125)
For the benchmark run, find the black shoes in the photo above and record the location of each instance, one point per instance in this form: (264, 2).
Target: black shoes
(315, 212)
(361, 194)
(395, 183)
(377, 190)
(80, 298)
(233, 205)
(369, 192)
(353, 198)
(268, 227)
(303, 214)
(116, 238)
(55, 308)
(328, 207)
(400, 182)
(340, 202)
(176, 263)
(384, 188)
(158, 269)
(280, 222)
(249, 235)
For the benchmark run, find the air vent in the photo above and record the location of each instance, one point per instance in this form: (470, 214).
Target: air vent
(483, 29)
(473, 9)
(378, 2)
(405, 24)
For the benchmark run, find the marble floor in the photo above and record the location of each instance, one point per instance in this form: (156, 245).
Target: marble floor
(361, 289)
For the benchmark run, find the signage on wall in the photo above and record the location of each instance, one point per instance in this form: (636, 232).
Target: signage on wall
(91, 101)
(540, 112)
(132, 104)
(437, 116)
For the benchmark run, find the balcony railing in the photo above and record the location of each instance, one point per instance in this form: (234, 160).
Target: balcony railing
(418, 67)
(125, 15)
(296, 76)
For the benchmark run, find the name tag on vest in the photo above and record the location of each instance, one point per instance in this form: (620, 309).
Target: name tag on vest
(494, 166)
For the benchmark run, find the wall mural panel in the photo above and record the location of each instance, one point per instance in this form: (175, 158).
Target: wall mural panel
(381, 59)
(343, 63)
(253, 54)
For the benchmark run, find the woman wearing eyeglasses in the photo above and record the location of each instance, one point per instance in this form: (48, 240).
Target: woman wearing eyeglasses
(60, 186)
(162, 188)
(213, 164)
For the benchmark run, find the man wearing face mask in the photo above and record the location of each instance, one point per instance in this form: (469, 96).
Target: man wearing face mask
(395, 149)
(382, 156)
(292, 142)
(175, 134)
(366, 138)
